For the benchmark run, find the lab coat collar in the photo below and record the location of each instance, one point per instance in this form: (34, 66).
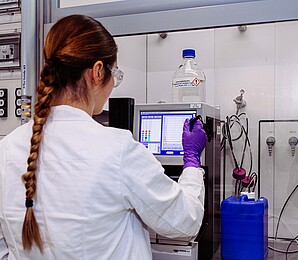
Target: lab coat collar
(68, 113)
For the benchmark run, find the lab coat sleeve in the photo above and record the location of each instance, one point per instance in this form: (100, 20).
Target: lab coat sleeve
(171, 209)
(3, 245)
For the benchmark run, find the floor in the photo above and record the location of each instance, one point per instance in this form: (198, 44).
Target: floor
(272, 255)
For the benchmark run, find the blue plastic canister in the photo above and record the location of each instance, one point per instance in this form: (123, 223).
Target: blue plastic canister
(244, 228)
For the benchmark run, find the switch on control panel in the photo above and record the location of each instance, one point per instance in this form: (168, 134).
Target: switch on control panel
(3, 102)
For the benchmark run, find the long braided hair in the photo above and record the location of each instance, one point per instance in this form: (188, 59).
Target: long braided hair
(72, 45)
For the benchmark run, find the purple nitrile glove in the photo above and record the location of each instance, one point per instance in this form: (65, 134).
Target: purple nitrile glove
(193, 143)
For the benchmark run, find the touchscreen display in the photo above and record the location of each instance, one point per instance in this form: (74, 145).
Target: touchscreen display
(161, 131)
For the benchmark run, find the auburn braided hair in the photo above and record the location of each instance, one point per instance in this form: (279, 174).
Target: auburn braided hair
(72, 45)
(30, 232)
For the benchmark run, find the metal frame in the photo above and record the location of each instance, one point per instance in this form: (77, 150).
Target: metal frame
(259, 160)
(128, 7)
(259, 144)
(138, 17)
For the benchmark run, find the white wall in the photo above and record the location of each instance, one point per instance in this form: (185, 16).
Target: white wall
(132, 60)
(245, 60)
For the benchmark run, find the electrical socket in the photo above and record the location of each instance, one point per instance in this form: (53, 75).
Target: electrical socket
(3, 102)
(18, 102)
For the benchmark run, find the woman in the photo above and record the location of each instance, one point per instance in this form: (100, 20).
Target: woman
(90, 191)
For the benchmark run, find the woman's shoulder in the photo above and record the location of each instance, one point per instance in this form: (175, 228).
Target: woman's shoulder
(117, 132)
(18, 133)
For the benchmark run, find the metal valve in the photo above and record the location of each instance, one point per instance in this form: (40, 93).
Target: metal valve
(293, 142)
(270, 141)
(239, 101)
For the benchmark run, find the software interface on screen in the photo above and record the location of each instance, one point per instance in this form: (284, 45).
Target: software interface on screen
(161, 131)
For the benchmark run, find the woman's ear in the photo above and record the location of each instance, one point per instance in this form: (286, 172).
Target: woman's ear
(98, 72)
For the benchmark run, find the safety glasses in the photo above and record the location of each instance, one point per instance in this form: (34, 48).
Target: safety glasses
(117, 74)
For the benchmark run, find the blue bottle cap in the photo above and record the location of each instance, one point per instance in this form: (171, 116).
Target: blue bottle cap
(188, 53)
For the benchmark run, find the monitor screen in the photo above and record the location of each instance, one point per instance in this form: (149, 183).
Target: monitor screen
(161, 131)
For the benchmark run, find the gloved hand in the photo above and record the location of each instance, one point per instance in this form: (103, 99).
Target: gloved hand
(193, 143)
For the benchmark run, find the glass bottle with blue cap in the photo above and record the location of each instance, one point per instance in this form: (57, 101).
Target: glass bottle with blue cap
(189, 81)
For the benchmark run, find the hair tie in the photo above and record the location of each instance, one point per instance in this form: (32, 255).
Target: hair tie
(29, 203)
(50, 62)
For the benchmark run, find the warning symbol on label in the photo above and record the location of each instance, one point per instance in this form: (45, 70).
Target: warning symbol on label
(196, 82)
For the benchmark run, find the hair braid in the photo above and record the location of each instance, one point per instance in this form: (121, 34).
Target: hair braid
(30, 232)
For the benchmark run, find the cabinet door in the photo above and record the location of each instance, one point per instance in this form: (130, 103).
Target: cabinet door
(165, 56)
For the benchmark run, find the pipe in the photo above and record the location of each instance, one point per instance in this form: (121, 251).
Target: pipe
(29, 55)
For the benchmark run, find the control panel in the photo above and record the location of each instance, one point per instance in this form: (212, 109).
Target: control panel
(10, 65)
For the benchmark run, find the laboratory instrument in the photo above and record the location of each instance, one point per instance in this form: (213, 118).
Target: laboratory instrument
(159, 128)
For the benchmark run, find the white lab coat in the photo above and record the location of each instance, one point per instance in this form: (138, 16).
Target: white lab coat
(97, 191)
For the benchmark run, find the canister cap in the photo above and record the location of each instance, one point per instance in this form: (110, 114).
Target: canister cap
(188, 53)
(250, 195)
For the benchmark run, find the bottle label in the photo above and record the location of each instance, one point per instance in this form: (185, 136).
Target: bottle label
(190, 82)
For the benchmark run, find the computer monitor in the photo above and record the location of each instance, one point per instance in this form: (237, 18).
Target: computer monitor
(159, 128)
